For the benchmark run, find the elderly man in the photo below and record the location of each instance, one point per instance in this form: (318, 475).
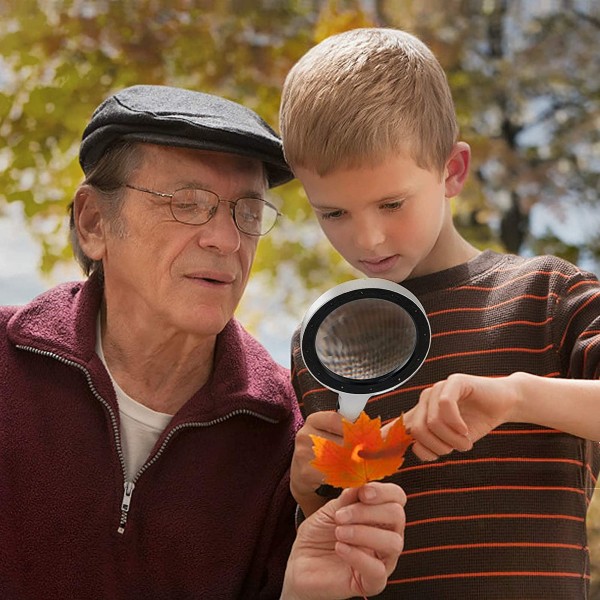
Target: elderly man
(145, 437)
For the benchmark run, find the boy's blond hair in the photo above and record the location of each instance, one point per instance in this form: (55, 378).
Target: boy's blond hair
(361, 95)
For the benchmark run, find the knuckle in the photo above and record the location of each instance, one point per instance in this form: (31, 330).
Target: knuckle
(431, 421)
(401, 515)
(397, 543)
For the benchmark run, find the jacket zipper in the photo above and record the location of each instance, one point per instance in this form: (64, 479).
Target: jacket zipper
(129, 486)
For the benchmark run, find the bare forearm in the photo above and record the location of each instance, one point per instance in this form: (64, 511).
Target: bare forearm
(570, 405)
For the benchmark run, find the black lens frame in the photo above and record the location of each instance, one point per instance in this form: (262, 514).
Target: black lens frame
(374, 385)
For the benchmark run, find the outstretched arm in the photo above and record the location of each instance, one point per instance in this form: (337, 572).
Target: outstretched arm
(455, 413)
(349, 547)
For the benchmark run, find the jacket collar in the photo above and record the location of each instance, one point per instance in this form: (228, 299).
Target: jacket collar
(62, 321)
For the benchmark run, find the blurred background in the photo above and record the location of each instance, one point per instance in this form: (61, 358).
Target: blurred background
(524, 74)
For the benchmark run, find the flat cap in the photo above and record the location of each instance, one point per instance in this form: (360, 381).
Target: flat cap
(171, 116)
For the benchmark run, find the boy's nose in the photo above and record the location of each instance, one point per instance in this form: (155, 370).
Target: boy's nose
(369, 236)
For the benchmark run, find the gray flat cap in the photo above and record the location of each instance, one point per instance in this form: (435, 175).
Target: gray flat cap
(172, 116)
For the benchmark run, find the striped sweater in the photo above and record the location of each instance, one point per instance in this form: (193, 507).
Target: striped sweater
(507, 519)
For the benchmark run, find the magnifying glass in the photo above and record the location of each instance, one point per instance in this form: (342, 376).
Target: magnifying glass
(364, 337)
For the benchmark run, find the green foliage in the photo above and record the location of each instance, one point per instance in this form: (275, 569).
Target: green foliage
(531, 122)
(65, 57)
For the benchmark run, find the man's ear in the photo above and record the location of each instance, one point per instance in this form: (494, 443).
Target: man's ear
(89, 222)
(457, 169)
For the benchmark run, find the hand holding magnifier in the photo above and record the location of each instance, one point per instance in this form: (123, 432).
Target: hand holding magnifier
(364, 337)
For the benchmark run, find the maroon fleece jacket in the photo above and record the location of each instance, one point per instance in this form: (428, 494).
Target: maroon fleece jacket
(210, 515)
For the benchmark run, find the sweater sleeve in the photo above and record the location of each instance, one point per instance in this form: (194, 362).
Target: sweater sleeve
(310, 394)
(577, 326)
(265, 580)
(278, 537)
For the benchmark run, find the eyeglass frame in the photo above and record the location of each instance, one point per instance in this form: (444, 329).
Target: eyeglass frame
(232, 203)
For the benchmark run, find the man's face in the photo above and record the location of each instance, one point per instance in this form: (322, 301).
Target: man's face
(387, 221)
(182, 278)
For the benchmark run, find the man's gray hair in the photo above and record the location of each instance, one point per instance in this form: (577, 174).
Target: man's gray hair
(107, 178)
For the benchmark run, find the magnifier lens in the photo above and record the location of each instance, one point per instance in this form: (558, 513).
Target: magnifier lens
(366, 338)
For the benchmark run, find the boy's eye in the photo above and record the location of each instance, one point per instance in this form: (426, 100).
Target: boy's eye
(392, 205)
(332, 214)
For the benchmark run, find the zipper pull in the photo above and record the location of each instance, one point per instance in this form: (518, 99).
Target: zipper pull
(125, 503)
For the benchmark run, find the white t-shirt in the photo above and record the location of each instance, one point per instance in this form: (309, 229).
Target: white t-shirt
(140, 426)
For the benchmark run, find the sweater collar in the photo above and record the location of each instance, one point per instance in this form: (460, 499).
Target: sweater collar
(61, 321)
(463, 274)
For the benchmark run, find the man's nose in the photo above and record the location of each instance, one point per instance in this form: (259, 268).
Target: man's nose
(221, 232)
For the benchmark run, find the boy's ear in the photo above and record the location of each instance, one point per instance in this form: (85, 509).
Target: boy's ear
(457, 169)
(89, 223)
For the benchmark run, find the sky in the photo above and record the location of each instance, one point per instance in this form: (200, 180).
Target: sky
(19, 259)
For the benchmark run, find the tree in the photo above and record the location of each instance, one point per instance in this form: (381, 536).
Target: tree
(531, 121)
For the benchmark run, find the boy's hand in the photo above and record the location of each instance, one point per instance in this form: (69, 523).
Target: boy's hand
(305, 479)
(455, 413)
(349, 547)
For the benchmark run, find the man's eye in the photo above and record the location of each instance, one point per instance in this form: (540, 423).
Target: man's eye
(186, 206)
(250, 216)
(249, 210)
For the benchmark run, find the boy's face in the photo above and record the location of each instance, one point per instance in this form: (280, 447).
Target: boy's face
(391, 221)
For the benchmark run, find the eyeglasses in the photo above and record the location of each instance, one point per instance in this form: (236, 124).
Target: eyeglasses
(195, 206)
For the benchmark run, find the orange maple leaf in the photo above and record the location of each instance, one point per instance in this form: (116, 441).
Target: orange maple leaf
(365, 455)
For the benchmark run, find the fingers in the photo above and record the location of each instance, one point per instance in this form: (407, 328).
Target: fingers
(382, 543)
(424, 453)
(382, 513)
(377, 492)
(373, 493)
(370, 572)
(436, 422)
(429, 444)
(373, 517)
(326, 423)
(434, 442)
(305, 479)
(372, 549)
(369, 532)
(444, 412)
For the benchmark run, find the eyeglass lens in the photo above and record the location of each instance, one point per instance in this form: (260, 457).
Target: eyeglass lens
(195, 207)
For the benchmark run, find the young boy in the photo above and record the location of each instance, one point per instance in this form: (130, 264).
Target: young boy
(369, 128)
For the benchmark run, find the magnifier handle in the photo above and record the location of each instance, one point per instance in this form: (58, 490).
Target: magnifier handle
(351, 405)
